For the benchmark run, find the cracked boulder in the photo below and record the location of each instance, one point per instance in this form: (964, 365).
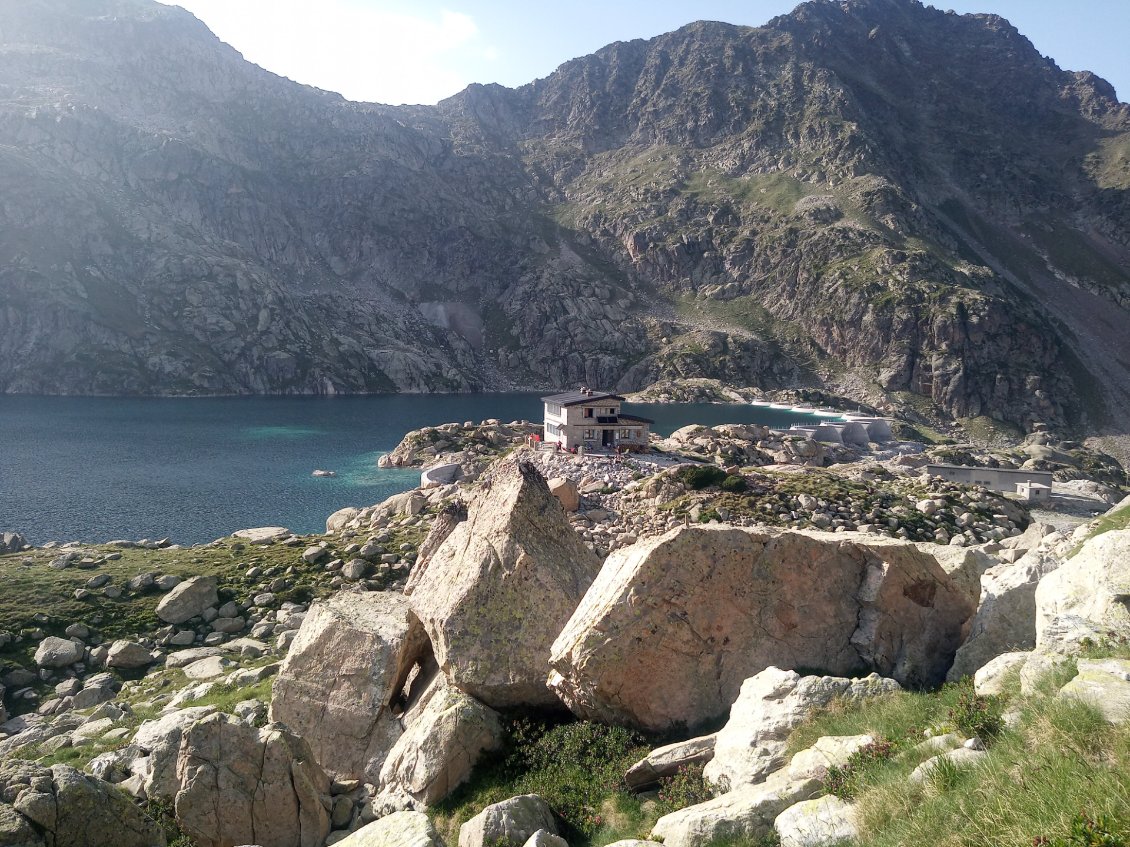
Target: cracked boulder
(674, 624)
(342, 681)
(500, 587)
(61, 807)
(447, 731)
(243, 785)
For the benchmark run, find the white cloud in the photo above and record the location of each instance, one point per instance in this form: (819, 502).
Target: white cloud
(344, 46)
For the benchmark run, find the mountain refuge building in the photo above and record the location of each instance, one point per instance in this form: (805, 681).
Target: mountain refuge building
(592, 420)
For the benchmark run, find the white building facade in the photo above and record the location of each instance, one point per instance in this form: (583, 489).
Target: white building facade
(593, 420)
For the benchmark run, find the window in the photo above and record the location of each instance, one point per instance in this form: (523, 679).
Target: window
(588, 412)
(590, 434)
(552, 429)
(553, 409)
(612, 411)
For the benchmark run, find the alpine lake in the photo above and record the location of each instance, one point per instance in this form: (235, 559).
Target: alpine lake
(94, 469)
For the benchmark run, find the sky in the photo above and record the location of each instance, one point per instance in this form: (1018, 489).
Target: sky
(394, 51)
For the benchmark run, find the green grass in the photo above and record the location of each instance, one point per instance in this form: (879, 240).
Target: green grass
(37, 600)
(1113, 520)
(1059, 773)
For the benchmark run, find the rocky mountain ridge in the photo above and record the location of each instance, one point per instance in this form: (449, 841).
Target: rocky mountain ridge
(871, 196)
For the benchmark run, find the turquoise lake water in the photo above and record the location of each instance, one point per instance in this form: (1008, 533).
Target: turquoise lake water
(97, 468)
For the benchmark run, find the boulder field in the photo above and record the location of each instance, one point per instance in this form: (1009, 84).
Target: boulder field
(385, 701)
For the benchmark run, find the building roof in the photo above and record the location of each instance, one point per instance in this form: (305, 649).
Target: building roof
(635, 419)
(576, 398)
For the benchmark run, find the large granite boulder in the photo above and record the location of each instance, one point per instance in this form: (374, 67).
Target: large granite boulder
(244, 785)
(509, 823)
(61, 807)
(447, 732)
(771, 705)
(188, 599)
(400, 829)
(128, 655)
(346, 667)
(1006, 615)
(740, 816)
(1086, 598)
(501, 586)
(674, 624)
(159, 739)
(54, 652)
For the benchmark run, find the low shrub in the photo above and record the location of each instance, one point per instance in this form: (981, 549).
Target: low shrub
(1087, 830)
(845, 782)
(698, 477)
(734, 484)
(686, 788)
(575, 767)
(976, 715)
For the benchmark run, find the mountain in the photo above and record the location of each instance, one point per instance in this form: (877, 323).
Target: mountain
(871, 196)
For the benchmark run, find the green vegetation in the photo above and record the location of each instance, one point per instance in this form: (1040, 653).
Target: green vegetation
(1059, 775)
(578, 768)
(976, 716)
(700, 477)
(37, 600)
(686, 788)
(846, 781)
(1111, 165)
(1115, 519)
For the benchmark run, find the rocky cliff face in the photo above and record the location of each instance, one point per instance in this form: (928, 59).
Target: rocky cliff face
(871, 195)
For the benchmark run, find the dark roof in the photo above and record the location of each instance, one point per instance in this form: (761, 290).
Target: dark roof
(575, 398)
(635, 419)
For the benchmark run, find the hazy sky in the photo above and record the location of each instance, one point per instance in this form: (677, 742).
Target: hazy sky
(390, 51)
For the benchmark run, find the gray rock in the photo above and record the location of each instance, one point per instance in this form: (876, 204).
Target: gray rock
(501, 585)
(58, 652)
(141, 582)
(770, 705)
(669, 760)
(399, 829)
(446, 733)
(128, 654)
(228, 625)
(313, 555)
(1085, 599)
(509, 823)
(1105, 683)
(821, 822)
(239, 784)
(960, 757)
(77, 810)
(745, 814)
(342, 674)
(188, 599)
(355, 569)
(1006, 615)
